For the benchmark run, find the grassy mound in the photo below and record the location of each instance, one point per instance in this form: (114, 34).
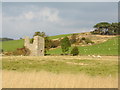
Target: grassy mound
(109, 47)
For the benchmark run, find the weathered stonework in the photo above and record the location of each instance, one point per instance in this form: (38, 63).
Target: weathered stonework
(37, 48)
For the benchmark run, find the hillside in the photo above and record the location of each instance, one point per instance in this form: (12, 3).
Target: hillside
(110, 47)
(105, 45)
(14, 44)
(5, 39)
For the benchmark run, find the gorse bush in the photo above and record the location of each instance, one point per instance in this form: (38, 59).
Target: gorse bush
(65, 44)
(83, 38)
(87, 40)
(75, 51)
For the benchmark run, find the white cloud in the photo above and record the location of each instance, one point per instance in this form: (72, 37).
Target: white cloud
(28, 22)
(29, 15)
(49, 14)
(44, 14)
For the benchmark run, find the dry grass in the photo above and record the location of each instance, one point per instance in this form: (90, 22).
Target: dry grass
(59, 58)
(42, 79)
(12, 79)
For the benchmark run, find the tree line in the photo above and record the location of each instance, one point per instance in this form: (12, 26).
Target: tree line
(105, 28)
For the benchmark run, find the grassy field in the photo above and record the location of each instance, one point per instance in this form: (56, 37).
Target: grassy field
(13, 79)
(60, 64)
(12, 45)
(60, 72)
(109, 47)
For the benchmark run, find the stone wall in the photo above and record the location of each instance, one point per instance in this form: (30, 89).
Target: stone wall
(37, 47)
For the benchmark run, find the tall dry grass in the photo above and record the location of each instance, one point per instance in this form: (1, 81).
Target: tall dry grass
(12, 79)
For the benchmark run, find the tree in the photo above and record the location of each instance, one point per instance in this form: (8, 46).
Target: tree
(114, 28)
(107, 28)
(65, 44)
(75, 51)
(42, 34)
(102, 27)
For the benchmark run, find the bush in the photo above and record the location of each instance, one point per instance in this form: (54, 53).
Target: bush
(31, 40)
(75, 51)
(1, 50)
(73, 38)
(88, 41)
(55, 44)
(22, 51)
(65, 44)
(83, 38)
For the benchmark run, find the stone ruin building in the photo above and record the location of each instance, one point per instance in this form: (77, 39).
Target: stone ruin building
(37, 47)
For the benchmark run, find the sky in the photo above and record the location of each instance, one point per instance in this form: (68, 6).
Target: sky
(20, 19)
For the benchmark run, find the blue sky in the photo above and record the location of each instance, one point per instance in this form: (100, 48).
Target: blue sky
(21, 19)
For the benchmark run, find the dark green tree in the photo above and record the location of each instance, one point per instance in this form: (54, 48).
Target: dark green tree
(75, 51)
(42, 34)
(102, 27)
(65, 45)
(114, 28)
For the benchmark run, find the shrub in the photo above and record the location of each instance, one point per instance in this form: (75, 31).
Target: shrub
(75, 51)
(1, 50)
(22, 51)
(55, 44)
(73, 38)
(87, 40)
(83, 38)
(65, 44)
(31, 40)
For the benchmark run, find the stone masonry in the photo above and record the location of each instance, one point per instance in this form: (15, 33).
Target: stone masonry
(37, 48)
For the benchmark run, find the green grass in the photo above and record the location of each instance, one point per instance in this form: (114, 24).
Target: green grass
(94, 67)
(109, 47)
(12, 45)
(59, 36)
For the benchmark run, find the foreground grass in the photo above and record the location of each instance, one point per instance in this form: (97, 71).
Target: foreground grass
(109, 47)
(75, 65)
(13, 79)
